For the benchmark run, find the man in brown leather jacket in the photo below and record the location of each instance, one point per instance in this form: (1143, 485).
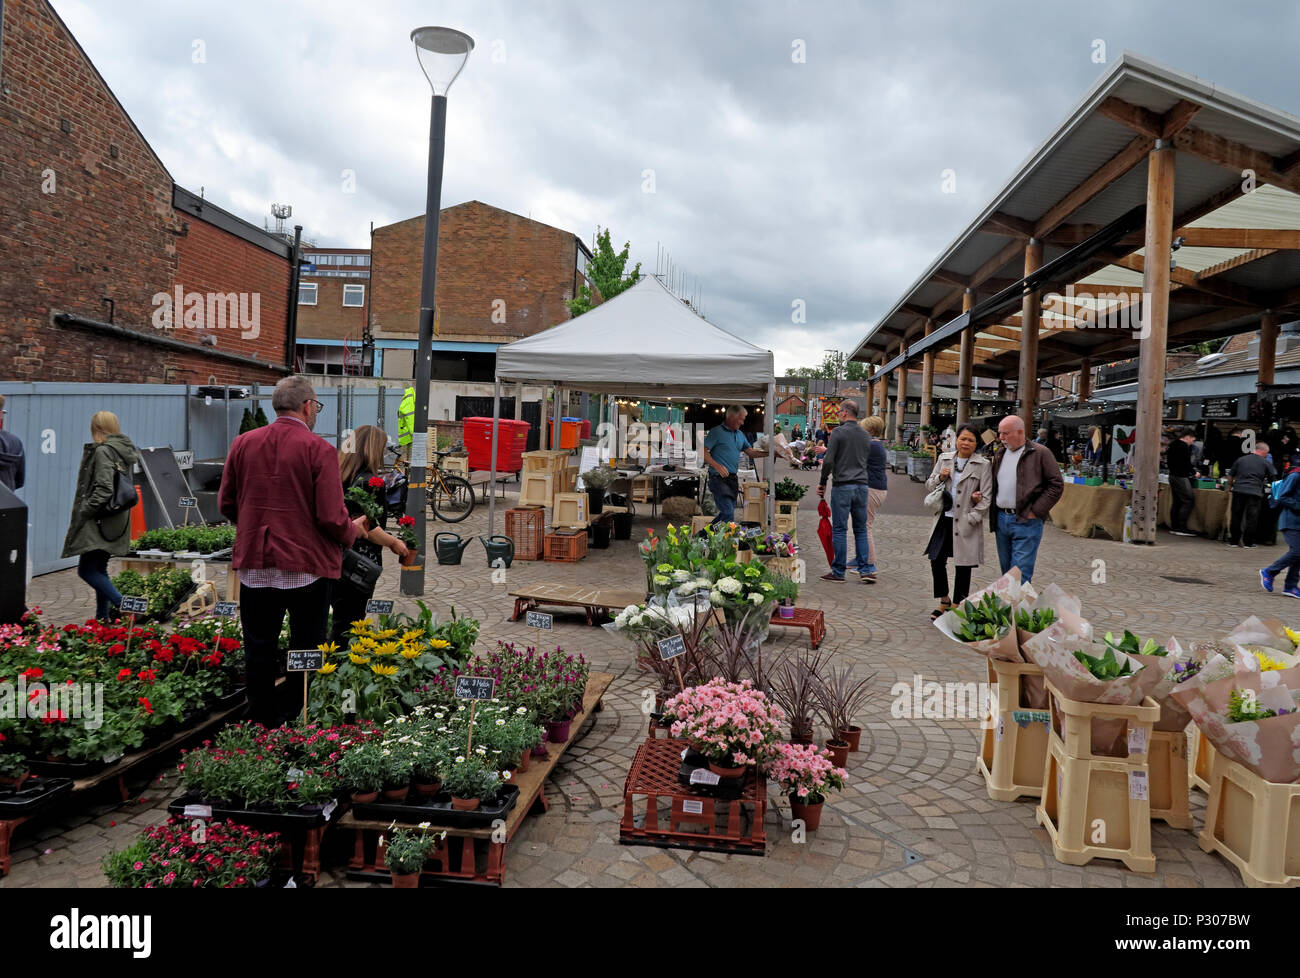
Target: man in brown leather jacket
(1027, 483)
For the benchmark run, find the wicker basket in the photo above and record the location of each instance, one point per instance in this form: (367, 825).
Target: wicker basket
(527, 530)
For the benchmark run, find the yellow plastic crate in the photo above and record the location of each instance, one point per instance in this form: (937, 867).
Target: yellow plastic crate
(1254, 824)
(1170, 794)
(1013, 747)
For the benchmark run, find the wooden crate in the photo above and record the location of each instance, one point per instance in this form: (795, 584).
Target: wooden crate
(1013, 747)
(787, 507)
(570, 509)
(1170, 794)
(1254, 824)
(455, 464)
(754, 492)
(642, 487)
(699, 523)
(536, 489)
(565, 548)
(784, 523)
(755, 512)
(526, 528)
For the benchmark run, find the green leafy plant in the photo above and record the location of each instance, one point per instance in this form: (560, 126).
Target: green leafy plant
(365, 501)
(362, 768)
(1105, 667)
(787, 490)
(1243, 707)
(601, 477)
(988, 618)
(406, 851)
(784, 589)
(1133, 645)
(1034, 621)
(163, 587)
(471, 777)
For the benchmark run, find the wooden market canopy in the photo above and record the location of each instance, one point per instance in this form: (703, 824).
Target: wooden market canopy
(1053, 276)
(1240, 254)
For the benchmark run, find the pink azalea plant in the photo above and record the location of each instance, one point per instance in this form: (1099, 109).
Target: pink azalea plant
(732, 724)
(805, 772)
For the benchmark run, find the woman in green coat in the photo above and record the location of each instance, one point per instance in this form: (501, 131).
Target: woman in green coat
(92, 537)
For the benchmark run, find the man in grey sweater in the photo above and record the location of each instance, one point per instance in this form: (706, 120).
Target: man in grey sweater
(846, 461)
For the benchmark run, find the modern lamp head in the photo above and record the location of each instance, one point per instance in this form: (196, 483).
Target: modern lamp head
(442, 53)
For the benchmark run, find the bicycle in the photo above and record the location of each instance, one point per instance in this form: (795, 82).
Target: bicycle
(451, 498)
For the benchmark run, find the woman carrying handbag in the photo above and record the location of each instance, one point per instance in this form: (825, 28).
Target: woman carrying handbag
(101, 512)
(961, 491)
(357, 468)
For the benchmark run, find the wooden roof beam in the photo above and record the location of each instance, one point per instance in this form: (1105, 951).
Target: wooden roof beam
(1233, 293)
(1235, 262)
(1008, 224)
(1148, 123)
(1237, 157)
(1101, 178)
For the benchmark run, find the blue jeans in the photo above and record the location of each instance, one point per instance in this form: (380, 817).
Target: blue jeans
(726, 503)
(849, 501)
(1018, 544)
(1289, 561)
(92, 567)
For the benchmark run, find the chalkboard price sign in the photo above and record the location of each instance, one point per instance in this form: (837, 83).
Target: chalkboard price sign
(475, 687)
(376, 607)
(226, 609)
(137, 606)
(188, 502)
(305, 660)
(539, 619)
(671, 647)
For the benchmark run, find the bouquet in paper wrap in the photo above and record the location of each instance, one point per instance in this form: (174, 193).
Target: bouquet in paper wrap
(1035, 614)
(985, 622)
(1268, 634)
(1252, 718)
(1174, 665)
(1127, 681)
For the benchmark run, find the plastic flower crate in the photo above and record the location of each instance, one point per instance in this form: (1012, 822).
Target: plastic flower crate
(526, 529)
(1254, 824)
(1200, 761)
(1170, 794)
(565, 548)
(1014, 745)
(1095, 806)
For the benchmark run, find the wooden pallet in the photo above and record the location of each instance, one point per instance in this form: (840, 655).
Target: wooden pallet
(653, 778)
(475, 855)
(592, 600)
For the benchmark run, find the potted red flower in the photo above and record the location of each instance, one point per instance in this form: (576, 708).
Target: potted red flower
(406, 533)
(806, 773)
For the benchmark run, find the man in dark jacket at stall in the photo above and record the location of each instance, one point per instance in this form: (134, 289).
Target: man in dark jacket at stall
(1179, 456)
(1249, 480)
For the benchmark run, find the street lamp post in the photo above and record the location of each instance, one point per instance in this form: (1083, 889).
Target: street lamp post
(442, 53)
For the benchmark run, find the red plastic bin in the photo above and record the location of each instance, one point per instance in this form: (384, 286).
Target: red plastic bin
(512, 440)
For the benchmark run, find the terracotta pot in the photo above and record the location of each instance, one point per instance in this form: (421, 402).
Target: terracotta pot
(801, 736)
(852, 734)
(364, 797)
(406, 881)
(525, 759)
(727, 772)
(558, 730)
(17, 781)
(464, 804)
(428, 790)
(397, 794)
(410, 558)
(811, 814)
(839, 752)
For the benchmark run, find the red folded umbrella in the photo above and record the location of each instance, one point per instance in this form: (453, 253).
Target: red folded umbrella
(824, 531)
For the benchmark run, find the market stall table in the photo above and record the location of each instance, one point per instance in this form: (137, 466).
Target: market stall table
(1082, 509)
(658, 473)
(144, 565)
(1210, 515)
(532, 794)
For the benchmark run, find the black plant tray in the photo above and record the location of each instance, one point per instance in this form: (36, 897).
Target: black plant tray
(76, 770)
(266, 820)
(229, 701)
(727, 788)
(438, 810)
(36, 793)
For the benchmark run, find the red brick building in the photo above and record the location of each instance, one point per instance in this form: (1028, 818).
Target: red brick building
(333, 303)
(98, 239)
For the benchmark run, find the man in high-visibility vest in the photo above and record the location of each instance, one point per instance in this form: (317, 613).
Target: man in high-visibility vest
(406, 421)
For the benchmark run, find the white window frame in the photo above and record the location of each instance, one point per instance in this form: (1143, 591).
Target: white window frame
(354, 305)
(315, 293)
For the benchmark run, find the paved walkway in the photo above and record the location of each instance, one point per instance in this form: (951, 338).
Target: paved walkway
(915, 813)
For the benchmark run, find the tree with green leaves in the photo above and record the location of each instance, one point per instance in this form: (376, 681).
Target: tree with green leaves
(606, 273)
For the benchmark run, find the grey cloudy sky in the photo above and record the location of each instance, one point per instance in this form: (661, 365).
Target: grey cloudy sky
(774, 180)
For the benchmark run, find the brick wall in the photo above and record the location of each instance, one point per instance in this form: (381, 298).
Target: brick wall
(329, 319)
(87, 214)
(484, 254)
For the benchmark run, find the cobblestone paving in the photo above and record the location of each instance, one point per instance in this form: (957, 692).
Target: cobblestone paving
(915, 812)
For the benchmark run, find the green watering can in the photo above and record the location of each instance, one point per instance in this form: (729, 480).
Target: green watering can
(499, 547)
(449, 547)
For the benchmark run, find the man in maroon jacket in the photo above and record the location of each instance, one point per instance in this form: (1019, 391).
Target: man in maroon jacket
(281, 488)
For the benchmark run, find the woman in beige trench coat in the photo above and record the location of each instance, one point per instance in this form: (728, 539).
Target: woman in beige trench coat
(967, 479)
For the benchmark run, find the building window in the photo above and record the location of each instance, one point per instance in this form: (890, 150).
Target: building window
(354, 295)
(306, 293)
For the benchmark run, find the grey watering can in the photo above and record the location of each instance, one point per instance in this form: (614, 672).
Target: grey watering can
(449, 547)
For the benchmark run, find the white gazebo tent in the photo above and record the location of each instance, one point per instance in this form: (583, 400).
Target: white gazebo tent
(644, 343)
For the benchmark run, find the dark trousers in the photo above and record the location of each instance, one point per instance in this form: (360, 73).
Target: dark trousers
(1245, 516)
(261, 613)
(1289, 561)
(961, 578)
(92, 567)
(347, 604)
(1183, 503)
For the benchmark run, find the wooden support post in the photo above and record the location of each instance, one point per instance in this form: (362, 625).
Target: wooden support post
(900, 399)
(1002, 389)
(882, 396)
(1267, 348)
(1030, 308)
(927, 378)
(1085, 379)
(1154, 333)
(966, 365)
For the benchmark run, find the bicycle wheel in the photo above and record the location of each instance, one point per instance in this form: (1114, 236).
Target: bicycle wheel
(451, 498)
